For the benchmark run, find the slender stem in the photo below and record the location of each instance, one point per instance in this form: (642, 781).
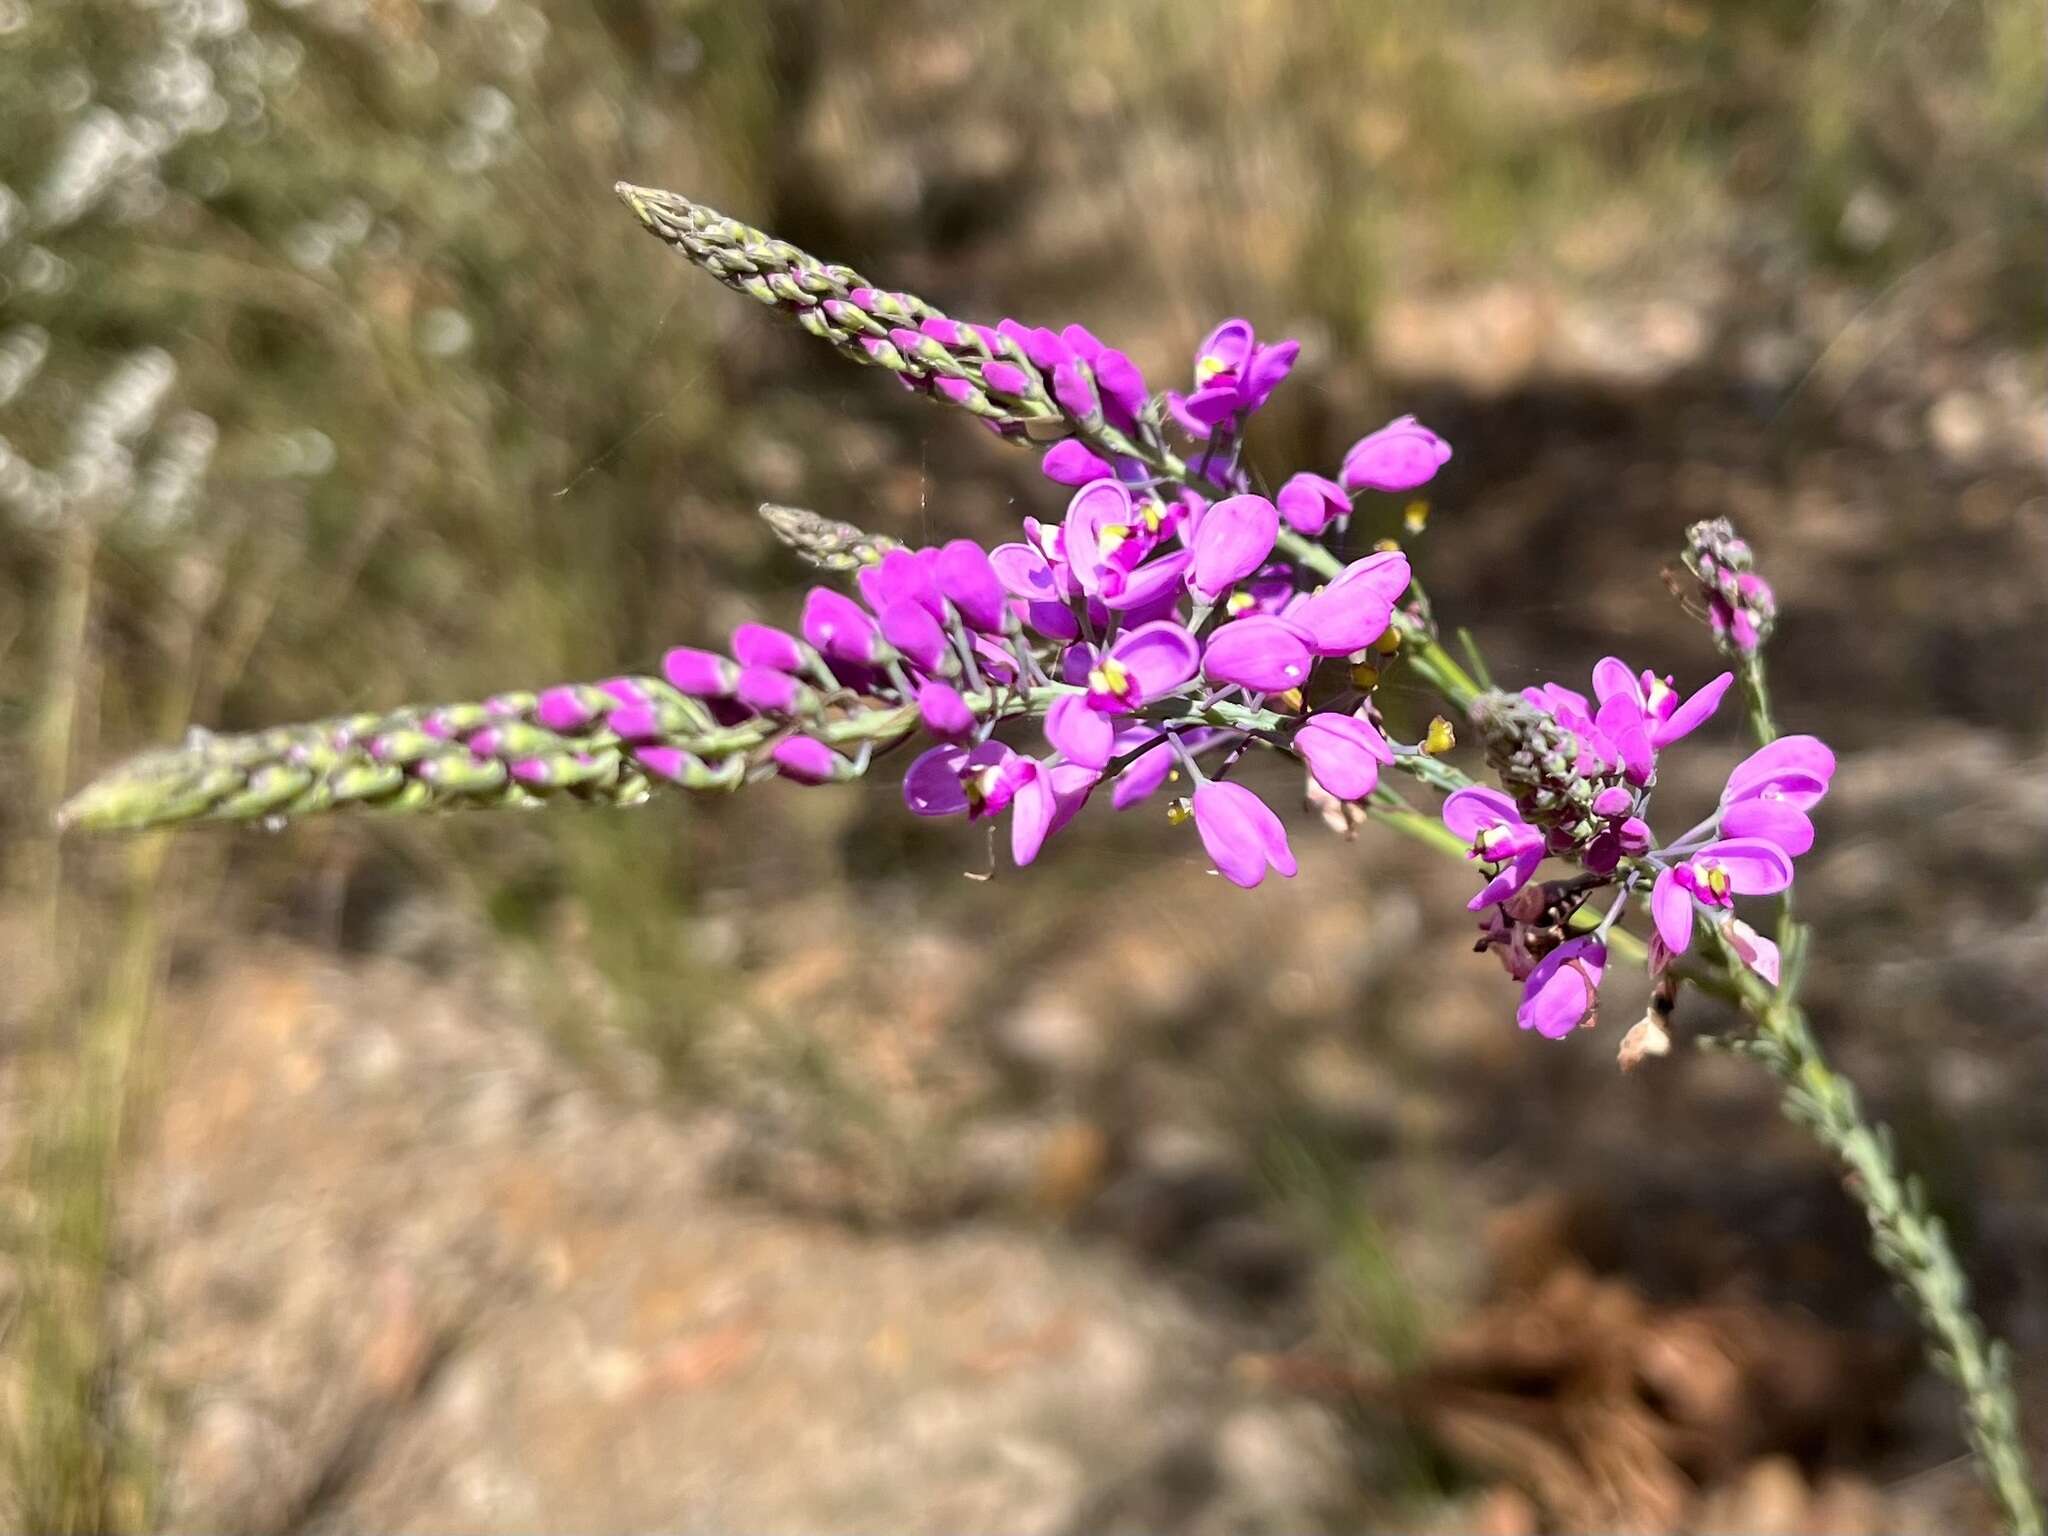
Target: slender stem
(1756, 693)
(1907, 1238)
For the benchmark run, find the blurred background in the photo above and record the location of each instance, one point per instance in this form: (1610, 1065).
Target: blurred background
(738, 1163)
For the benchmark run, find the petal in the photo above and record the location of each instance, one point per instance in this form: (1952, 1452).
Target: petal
(911, 628)
(762, 645)
(1263, 654)
(806, 760)
(1095, 505)
(1799, 767)
(1562, 991)
(1343, 752)
(706, 674)
(1385, 572)
(1262, 373)
(1240, 833)
(1470, 811)
(1355, 609)
(943, 710)
(1757, 952)
(1754, 867)
(1078, 733)
(838, 626)
(1031, 817)
(902, 577)
(1399, 457)
(1671, 908)
(1225, 347)
(1024, 572)
(1510, 880)
(1235, 539)
(1777, 821)
(969, 582)
(1309, 502)
(1160, 657)
(1612, 677)
(931, 785)
(1146, 773)
(1074, 463)
(1621, 722)
(1151, 581)
(1692, 714)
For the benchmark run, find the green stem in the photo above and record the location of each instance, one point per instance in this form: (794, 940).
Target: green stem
(1756, 693)
(1907, 1238)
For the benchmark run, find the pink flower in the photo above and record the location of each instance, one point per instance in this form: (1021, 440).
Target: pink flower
(1144, 664)
(1310, 503)
(1344, 753)
(1493, 829)
(1712, 879)
(1563, 992)
(1263, 654)
(1235, 537)
(1242, 835)
(1398, 457)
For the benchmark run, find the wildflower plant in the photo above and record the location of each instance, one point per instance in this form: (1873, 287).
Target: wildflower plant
(1178, 618)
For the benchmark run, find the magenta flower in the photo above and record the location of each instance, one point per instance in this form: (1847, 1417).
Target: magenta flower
(904, 576)
(1049, 797)
(1073, 462)
(1563, 992)
(771, 691)
(1398, 457)
(968, 581)
(762, 645)
(1242, 835)
(840, 627)
(910, 628)
(706, 674)
(1354, 610)
(1234, 374)
(1310, 503)
(982, 780)
(1234, 538)
(808, 761)
(1344, 753)
(1494, 832)
(1263, 654)
(1146, 663)
(1666, 717)
(1712, 879)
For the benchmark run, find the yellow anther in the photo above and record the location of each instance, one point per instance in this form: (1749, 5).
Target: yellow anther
(1288, 702)
(1388, 546)
(1441, 737)
(1415, 516)
(1365, 676)
(1207, 367)
(1108, 676)
(1237, 602)
(1110, 536)
(1178, 812)
(1388, 643)
(1154, 513)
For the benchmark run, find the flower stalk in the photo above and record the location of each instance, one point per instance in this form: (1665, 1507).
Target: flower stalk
(1172, 623)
